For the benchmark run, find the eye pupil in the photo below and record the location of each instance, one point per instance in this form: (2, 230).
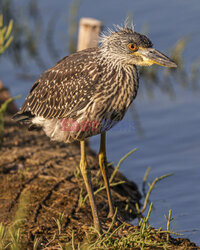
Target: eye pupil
(132, 46)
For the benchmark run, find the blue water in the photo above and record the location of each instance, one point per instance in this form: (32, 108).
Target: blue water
(171, 139)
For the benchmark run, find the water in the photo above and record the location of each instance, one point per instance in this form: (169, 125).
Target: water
(171, 140)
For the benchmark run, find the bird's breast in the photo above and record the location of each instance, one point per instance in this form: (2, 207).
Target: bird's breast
(122, 91)
(115, 95)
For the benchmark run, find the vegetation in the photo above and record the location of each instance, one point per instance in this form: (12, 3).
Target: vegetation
(118, 235)
(5, 35)
(27, 43)
(31, 27)
(126, 237)
(5, 40)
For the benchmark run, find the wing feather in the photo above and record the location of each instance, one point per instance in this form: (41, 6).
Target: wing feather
(64, 88)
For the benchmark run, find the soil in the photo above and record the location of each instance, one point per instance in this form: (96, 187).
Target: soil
(40, 181)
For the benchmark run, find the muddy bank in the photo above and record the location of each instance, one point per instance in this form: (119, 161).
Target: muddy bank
(46, 174)
(40, 182)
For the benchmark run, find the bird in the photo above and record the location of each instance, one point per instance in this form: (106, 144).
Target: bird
(87, 93)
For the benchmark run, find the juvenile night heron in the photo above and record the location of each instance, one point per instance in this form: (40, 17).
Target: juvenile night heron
(88, 92)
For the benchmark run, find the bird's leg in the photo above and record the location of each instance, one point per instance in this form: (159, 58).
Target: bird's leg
(103, 167)
(87, 179)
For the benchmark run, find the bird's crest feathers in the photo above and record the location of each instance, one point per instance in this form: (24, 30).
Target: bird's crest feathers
(127, 28)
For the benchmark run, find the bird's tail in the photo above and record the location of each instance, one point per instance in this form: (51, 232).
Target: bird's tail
(22, 116)
(25, 117)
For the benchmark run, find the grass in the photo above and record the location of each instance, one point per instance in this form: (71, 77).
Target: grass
(125, 237)
(143, 234)
(5, 40)
(5, 34)
(151, 187)
(11, 235)
(59, 222)
(140, 236)
(112, 184)
(117, 236)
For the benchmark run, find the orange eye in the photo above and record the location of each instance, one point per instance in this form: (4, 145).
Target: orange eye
(132, 46)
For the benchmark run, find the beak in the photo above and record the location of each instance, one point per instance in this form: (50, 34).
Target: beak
(154, 56)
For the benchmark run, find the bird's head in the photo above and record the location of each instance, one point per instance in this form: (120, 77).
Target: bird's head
(130, 47)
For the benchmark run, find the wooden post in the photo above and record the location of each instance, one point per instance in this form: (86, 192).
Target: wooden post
(88, 36)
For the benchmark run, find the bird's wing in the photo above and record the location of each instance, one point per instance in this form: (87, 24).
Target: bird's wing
(66, 87)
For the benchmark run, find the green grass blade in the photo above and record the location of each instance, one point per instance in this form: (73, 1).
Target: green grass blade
(119, 163)
(9, 29)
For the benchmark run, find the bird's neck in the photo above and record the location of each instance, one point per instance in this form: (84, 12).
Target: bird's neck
(121, 81)
(115, 61)
(119, 66)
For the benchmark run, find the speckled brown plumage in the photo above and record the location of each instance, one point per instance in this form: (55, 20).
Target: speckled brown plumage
(96, 85)
(64, 88)
(81, 87)
(87, 93)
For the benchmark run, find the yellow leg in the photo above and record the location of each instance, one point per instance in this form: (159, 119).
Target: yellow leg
(103, 167)
(87, 179)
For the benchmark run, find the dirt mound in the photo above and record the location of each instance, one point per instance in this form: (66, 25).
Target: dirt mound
(40, 180)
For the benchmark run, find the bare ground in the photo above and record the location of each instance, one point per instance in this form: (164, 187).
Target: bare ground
(40, 180)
